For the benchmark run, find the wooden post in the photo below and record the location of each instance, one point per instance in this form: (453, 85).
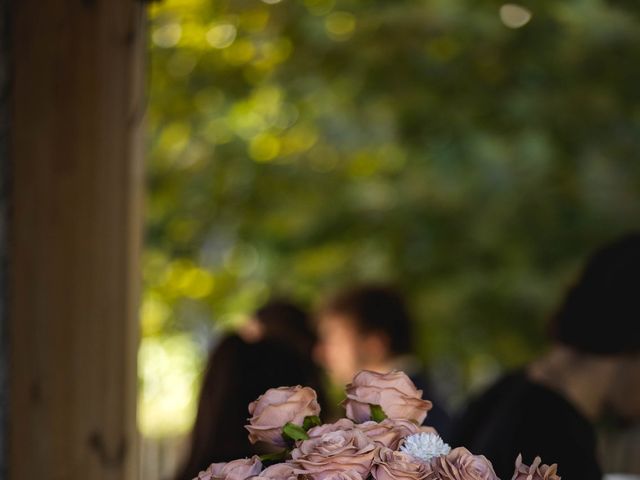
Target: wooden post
(74, 232)
(4, 148)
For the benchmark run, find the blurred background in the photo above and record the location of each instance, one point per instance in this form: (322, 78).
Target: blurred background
(472, 153)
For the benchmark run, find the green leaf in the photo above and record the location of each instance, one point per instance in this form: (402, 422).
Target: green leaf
(294, 432)
(274, 457)
(377, 414)
(310, 422)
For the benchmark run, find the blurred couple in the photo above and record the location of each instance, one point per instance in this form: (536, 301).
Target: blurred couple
(364, 327)
(548, 408)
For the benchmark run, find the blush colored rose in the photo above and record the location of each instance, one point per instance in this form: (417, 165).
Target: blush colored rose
(278, 471)
(277, 407)
(388, 433)
(392, 465)
(460, 464)
(393, 391)
(336, 475)
(235, 470)
(537, 470)
(326, 455)
(343, 424)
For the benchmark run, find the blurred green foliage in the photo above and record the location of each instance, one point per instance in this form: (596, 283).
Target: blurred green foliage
(298, 145)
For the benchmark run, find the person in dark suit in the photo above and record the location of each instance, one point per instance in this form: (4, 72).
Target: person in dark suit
(549, 408)
(368, 327)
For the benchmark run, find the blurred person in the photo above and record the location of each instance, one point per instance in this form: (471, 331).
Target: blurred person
(237, 373)
(549, 408)
(369, 327)
(282, 320)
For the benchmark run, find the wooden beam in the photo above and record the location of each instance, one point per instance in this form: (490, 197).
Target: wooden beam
(75, 235)
(4, 149)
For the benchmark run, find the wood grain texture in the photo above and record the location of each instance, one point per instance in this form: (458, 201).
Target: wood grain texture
(75, 235)
(4, 162)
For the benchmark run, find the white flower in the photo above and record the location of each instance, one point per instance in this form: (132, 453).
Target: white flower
(425, 446)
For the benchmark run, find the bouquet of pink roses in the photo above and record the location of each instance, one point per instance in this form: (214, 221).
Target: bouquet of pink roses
(380, 438)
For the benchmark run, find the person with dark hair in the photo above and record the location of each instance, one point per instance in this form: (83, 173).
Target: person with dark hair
(237, 373)
(368, 327)
(282, 320)
(549, 408)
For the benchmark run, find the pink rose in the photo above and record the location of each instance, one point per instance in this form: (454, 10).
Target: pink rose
(391, 465)
(277, 407)
(278, 471)
(333, 454)
(393, 391)
(388, 433)
(339, 475)
(460, 464)
(343, 424)
(235, 470)
(537, 470)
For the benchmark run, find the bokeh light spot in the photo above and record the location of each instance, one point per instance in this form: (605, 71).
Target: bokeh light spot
(167, 35)
(240, 52)
(319, 7)
(514, 16)
(175, 138)
(264, 147)
(221, 35)
(340, 25)
(154, 314)
(255, 20)
(241, 260)
(168, 371)
(299, 139)
(181, 64)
